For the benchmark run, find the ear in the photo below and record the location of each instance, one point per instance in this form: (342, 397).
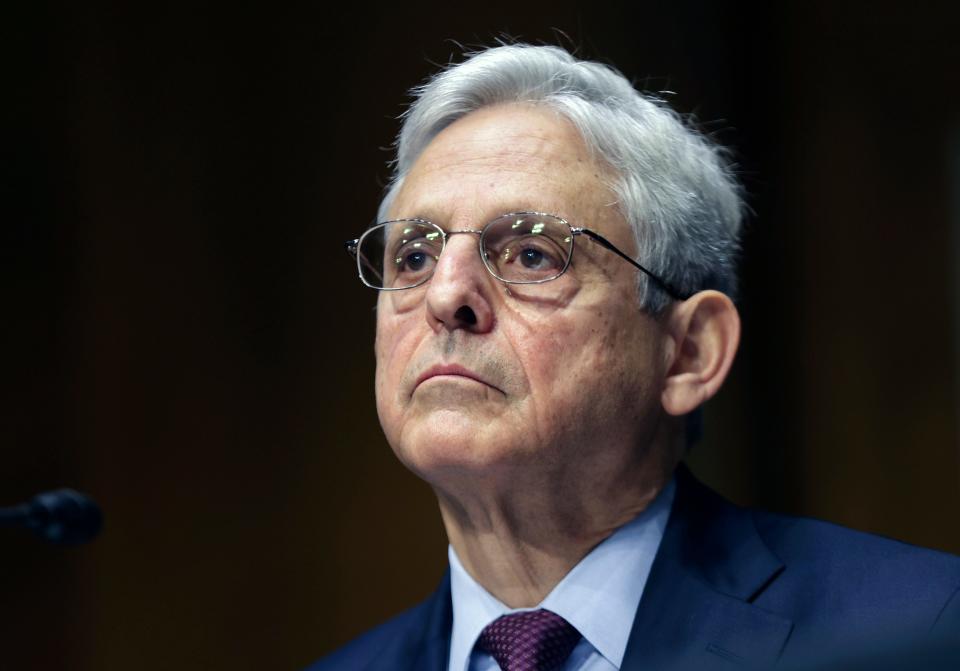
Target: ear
(704, 332)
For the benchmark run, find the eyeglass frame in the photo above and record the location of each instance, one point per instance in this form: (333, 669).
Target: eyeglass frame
(352, 247)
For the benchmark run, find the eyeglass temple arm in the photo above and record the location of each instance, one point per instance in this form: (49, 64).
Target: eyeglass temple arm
(351, 247)
(603, 242)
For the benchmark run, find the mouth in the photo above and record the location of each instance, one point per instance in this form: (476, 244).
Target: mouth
(452, 371)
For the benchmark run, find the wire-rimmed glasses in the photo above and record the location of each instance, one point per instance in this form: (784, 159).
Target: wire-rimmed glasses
(516, 248)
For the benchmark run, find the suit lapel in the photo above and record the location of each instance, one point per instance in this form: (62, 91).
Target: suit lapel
(696, 610)
(422, 642)
(433, 651)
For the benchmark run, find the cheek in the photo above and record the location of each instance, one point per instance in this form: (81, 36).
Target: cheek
(597, 362)
(393, 350)
(555, 356)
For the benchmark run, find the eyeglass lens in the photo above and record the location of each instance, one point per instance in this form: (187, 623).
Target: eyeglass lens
(520, 248)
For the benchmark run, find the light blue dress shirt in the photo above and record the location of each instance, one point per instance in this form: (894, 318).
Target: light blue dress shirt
(599, 596)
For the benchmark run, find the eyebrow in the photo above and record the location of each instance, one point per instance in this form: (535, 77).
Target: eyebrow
(480, 221)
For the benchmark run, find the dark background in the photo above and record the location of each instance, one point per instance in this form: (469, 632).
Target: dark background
(183, 337)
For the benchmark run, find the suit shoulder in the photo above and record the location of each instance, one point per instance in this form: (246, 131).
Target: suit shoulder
(858, 570)
(360, 653)
(416, 638)
(825, 542)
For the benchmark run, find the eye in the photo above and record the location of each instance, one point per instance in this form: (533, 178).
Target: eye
(533, 259)
(413, 250)
(533, 253)
(414, 258)
(527, 247)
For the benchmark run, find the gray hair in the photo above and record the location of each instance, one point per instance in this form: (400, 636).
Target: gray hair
(675, 187)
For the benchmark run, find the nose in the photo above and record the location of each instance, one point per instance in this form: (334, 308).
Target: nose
(460, 293)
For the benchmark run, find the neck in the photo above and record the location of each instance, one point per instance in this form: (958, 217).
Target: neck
(518, 546)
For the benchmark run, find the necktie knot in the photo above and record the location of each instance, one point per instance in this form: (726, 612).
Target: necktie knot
(536, 640)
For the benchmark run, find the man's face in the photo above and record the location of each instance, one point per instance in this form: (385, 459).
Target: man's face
(479, 382)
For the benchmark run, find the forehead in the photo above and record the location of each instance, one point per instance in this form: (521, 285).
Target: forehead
(507, 158)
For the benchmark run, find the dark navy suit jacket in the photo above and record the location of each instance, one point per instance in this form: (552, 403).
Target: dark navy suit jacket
(731, 586)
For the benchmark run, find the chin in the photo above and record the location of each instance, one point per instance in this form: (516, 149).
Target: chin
(437, 453)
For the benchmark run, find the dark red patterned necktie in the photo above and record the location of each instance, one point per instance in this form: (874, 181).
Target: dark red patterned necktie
(535, 640)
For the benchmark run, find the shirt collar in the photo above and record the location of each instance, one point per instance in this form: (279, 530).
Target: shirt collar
(599, 596)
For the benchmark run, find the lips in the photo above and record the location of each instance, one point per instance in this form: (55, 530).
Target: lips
(451, 370)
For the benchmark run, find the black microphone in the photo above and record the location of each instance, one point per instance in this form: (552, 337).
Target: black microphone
(63, 516)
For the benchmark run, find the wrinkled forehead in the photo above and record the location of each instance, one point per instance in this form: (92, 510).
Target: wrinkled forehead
(507, 158)
(492, 135)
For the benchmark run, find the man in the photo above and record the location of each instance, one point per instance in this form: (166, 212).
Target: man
(541, 387)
